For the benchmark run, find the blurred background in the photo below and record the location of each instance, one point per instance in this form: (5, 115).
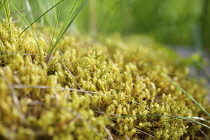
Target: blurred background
(171, 22)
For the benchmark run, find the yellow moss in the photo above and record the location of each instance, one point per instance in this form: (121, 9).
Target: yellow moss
(74, 96)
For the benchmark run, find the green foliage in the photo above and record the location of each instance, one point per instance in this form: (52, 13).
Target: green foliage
(92, 89)
(169, 21)
(206, 25)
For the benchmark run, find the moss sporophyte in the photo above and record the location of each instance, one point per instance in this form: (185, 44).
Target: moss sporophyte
(110, 89)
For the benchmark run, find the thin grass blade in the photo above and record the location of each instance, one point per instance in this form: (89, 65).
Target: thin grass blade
(57, 16)
(64, 26)
(2, 3)
(189, 96)
(47, 18)
(67, 25)
(40, 17)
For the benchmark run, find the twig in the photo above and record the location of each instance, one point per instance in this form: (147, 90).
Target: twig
(15, 100)
(144, 132)
(71, 75)
(108, 132)
(15, 13)
(106, 113)
(61, 88)
(22, 53)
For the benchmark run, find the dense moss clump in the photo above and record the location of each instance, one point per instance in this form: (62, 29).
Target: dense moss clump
(88, 85)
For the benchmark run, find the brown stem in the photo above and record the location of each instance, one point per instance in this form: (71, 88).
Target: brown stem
(48, 58)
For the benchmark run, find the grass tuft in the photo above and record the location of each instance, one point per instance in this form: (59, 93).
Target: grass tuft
(69, 19)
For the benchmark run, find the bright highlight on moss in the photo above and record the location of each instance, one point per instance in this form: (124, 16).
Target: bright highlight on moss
(108, 89)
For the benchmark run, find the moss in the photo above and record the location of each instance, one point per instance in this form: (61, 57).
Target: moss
(87, 82)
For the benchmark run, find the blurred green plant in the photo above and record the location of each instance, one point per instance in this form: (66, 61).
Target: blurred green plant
(205, 24)
(171, 22)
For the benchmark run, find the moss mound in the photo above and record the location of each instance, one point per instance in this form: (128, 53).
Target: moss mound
(88, 86)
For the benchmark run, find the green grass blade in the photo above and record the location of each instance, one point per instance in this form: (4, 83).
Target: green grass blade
(2, 3)
(157, 115)
(68, 17)
(66, 26)
(66, 22)
(47, 18)
(189, 96)
(40, 17)
(57, 16)
(70, 12)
